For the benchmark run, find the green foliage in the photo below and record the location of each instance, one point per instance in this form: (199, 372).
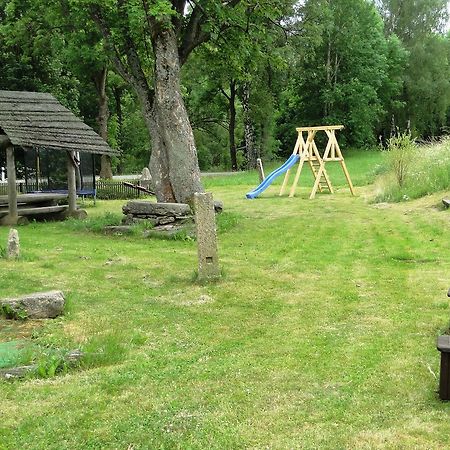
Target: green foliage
(340, 81)
(226, 221)
(13, 313)
(15, 353)
(51, 362)
(315, 323)
(308, 62)
(95, 224)
(425, 98)
(401, 153)
(423, 170)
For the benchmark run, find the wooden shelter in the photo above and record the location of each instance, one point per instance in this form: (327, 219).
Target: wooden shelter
(308, 152)
(37, 120)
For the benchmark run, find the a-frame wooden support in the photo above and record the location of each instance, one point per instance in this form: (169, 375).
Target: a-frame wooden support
(308, 152)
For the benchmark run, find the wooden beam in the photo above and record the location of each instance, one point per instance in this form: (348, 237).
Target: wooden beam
(344, 167)
(12, 218)
(321, 128)
(71, 183)
(298, 144)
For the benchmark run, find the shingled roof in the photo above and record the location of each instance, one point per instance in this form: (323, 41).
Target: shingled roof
(38, 120)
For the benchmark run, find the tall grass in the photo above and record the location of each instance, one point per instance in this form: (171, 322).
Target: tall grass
(412, 171)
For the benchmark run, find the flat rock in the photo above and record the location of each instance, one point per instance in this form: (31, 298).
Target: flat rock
(41, 305)
(446, 202)
(118, 229)
(170, 230)
(136, 207)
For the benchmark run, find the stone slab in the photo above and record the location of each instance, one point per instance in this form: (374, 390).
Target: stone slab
(156, 209)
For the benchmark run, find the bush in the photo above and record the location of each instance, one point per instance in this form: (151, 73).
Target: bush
(414, 171)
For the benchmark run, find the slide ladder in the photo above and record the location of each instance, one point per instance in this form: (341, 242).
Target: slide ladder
(314, 164)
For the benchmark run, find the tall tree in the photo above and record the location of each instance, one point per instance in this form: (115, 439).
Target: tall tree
(149, 43)
(419, 25)
(341, 78)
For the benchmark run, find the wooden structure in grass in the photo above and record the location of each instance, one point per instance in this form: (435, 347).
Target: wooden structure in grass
(37, 120)
(308, 153)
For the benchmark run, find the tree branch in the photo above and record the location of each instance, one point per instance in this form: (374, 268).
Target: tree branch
(193, 34)
(97, 17)
(225, 93)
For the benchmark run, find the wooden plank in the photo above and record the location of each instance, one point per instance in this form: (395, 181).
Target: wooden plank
(55, 145)
(32, 107)
(44, 125)
(42, 210)
(45, 116)
(321, 128)
(25, 94)
(69, 136)
(46, 101)
(34, 198)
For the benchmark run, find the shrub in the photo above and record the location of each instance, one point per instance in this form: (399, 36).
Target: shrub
(401, 154)
(414, 171)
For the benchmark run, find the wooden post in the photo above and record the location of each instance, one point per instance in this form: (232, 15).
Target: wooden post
(259, 166)
(443, 345)
(71, 184)
(344, 167)
(300, 143)
(13, 215)
(306, 155)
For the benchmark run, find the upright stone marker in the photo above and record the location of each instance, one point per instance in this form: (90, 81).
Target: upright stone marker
(205, 221)
(13, 249)
(146, 178)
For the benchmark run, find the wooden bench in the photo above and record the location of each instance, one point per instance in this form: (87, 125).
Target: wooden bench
(35, 205)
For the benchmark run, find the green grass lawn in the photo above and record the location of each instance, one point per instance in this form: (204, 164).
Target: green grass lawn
(321, 334)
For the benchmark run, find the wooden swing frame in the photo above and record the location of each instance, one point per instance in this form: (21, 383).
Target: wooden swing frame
(308, 152)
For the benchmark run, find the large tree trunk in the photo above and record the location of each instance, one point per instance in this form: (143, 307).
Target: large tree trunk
(232, 125)
(102, 119)
(173, 163)
(249, 131)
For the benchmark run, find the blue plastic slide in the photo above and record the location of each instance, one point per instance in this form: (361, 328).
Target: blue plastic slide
(276, 173)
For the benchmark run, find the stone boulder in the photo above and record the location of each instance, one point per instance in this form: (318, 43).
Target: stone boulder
(41, 305)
